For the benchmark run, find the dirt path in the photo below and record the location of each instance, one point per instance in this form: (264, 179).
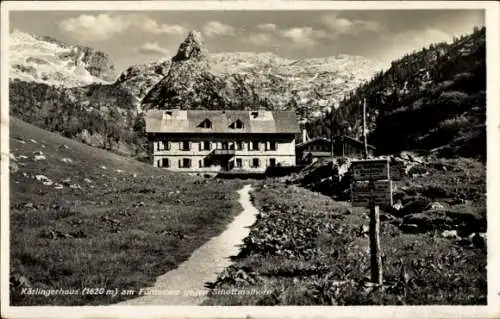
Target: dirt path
(185, 284)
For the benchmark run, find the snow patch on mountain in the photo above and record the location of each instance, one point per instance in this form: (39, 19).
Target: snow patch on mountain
(38, 59)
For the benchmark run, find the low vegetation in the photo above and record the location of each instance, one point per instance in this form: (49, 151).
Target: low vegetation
(86, 218)
(312, 250)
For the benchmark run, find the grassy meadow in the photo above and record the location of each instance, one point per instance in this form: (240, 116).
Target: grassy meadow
(81, 217)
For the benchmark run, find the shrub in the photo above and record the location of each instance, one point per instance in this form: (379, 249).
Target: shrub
(454, 124)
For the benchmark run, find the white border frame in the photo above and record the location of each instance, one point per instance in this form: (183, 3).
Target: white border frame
(493, 125)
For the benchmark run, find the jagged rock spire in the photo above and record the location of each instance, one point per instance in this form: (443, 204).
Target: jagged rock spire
(191, 47)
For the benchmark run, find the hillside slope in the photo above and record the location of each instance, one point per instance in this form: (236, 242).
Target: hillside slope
(103, 116)
(433, 99)
(84, 217)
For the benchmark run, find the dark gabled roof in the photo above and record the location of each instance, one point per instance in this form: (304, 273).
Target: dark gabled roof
(313, 140)
(188, 121)
(324, 139)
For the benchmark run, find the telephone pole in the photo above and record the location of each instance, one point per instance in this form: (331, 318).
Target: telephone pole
(331, 132)
(364, 129)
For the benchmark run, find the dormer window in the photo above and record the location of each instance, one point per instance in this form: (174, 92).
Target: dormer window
(254, 114)
(167, 115)
(236, 124)
(206, 124)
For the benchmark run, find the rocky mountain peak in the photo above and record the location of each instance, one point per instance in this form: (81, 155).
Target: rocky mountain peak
(191, 47)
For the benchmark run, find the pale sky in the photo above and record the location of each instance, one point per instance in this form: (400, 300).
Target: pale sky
(139, 37)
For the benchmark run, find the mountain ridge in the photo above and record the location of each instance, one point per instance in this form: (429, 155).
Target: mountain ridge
(432, 100)
(47, 60)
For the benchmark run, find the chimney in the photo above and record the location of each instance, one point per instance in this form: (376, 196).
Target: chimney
(304, 135)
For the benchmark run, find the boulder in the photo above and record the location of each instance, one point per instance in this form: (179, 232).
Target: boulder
(429, 221)
(397, 206)
(19, 281)
(435, 206)
(58, 186)
(13, 167)
(479, 240)
(39, 157)
(453, 234)
(417, 205)
(29, 205)
(410, 228)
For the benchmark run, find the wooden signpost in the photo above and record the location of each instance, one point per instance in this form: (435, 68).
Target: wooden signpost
(372, 188)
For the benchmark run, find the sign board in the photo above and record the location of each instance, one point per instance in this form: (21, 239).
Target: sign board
(380, 192)
(397, 171)
(370, 169)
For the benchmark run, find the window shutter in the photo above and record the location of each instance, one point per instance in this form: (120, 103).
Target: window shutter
(200, 163)
(180, 163)
(190, 146)
(180, 145)
(209, 146)
(200, 147)
(168, 145)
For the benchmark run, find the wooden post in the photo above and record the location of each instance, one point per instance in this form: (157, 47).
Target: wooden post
(331, 133)
(375, 257)
(364, 129)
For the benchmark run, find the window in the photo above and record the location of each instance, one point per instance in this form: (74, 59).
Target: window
(225, 145)
(185, 145)
(205, 163)
(272, 162)
(165, 162)
(254, 114)
(236, 124)
(255, 162)
(272, 146)
(206, 124)
(205, 146)
(185, 163)
(163, 145)
(238, 163)
(239, 145)
(255, 146)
